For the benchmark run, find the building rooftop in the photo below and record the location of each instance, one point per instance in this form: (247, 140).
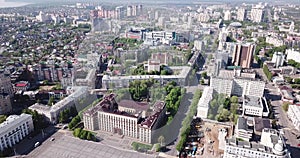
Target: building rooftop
(287, 94)
(252, 101)
(184, 70)
(249, 145)
(242, 123)
(157, 109)
(138, 106)
(296, 110)
(12, 121)
(206, 97)
(261, 123)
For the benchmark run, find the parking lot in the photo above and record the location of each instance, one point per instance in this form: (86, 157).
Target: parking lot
(66, 146)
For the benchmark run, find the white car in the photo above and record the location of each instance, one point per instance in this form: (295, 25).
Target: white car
(36, 144)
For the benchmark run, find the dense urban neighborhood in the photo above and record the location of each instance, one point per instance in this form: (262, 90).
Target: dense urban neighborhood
(150, 79)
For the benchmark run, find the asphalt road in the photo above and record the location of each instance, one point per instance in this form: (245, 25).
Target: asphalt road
(65, 146)
(283, 121)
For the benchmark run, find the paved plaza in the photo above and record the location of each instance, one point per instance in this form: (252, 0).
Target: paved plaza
(65, 146)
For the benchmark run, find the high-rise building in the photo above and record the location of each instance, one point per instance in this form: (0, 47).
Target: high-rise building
(161, 22)
(129, 10)
(243, 54)
(140, 9)
(134, 10)
(120, 12)
(227, 15)
(257, 14)
(278, 58)
(241, 14)
(156, 15)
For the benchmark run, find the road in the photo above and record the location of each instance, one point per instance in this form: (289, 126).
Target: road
(66, 146)
(283, 121)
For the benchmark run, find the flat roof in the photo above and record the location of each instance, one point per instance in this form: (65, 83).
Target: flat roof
(206, 97)
(183, 74)
(261, 123)
(253, 101)
(12, 121)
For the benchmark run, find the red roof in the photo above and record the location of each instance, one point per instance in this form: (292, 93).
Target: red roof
(21, 85)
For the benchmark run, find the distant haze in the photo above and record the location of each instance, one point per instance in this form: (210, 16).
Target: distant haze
(152, 1)
(8, 4)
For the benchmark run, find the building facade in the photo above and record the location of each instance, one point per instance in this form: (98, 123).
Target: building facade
(237, 86)
(241, 14)
(6, 92)
(255, 106)
(271, 145)
(257, 14)
(14, 129)
(123, 81)
(203, 104)
(243, 54)
(106, 116)
(293, 54)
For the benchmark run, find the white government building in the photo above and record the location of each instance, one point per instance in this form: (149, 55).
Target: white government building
(127, 120)
(271, 145)
(14, 129)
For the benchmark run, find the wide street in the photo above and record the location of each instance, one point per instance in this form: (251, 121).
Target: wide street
(66, 146)
(283, 121)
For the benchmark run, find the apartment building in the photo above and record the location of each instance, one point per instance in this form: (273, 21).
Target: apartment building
(241, 14)
(257, 14)
(203, 104)
(14, 129)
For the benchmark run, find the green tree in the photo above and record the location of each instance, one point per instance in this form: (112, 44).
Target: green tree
(77, 132)
(204, 74)
(90, 136)
(135, 146)
(83, 134)
(285, 106)
(157, 147)
(161, 140)
(2, 118)
(74, 122)
(234, 99)
(63, 116)
(51, 101)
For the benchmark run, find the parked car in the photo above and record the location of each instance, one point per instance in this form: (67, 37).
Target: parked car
(36, 144)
